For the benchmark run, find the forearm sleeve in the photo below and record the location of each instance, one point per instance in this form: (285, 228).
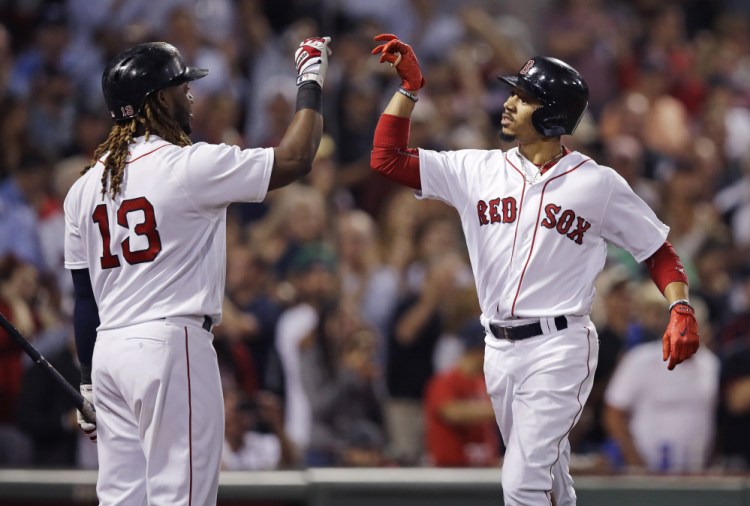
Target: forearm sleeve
(85, 316)
(665, 267)
(390, 155)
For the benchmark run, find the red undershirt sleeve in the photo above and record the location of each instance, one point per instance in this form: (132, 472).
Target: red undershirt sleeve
(390, 155)
(665, 267)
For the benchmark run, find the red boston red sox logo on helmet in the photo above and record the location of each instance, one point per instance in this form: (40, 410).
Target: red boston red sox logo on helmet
(527, 67)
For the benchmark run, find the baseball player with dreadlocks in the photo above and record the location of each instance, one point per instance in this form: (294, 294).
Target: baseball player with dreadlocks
(145, 239)
(536, 220)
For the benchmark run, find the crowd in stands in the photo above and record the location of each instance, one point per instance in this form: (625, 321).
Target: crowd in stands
(349, 335)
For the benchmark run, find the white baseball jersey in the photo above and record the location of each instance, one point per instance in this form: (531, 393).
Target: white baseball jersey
(536, 248)
(159, 248)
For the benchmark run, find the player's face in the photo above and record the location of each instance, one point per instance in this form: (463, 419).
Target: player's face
(515, 124)
(181, 106)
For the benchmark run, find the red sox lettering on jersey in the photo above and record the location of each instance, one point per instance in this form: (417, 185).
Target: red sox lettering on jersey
(526, 233)
(503, 210)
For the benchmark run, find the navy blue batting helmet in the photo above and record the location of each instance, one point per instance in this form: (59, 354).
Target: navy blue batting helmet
(134, 74)
(561, 90)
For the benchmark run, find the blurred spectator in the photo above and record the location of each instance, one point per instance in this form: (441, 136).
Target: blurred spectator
(254, 438)
(341, 375)
(733, 345)
(14, 138)
(418, 324)
(17, 286)
(735, 329)
(266, 58)
(6, 60)
(182, 31)
(666, 46)
(615, 319)
(691, 221)
(371, 285)
(433, 237)
(713, 280)
(89, 131)
(664, 421)
(22, 197)
(460, 421)
(725, 120)
(51, 226)
(592, 36)
(313, 280)
(47, 53)
(278, 101)
(52, 111)
(733, 202)
(256, 313)
(734, 412)
(397, 225)
(647, 112)
(298, 216)
(46, 415)
(624, 153)
(216, 119)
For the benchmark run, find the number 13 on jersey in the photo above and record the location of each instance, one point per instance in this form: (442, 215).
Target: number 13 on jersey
(146, 228)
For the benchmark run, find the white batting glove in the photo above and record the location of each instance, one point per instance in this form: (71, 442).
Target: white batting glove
(311, 59)
(87, 427)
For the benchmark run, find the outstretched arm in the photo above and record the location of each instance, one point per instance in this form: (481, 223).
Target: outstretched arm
(294, 155)
(391, 155)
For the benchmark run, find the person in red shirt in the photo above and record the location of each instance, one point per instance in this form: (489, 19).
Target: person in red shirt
(460, 422)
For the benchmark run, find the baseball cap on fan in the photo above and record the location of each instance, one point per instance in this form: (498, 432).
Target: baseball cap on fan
(313, 255)
(134, 74)
(472, 335)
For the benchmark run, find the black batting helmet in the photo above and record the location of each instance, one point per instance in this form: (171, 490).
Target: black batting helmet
(134, 74)
(561, 90)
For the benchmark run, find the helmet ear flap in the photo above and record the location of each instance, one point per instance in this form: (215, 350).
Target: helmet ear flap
(547, 122)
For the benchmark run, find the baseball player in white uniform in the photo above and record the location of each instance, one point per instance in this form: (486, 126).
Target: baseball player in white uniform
(145, 239)
(536, 220)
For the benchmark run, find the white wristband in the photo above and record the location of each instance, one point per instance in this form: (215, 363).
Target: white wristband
(681, 301)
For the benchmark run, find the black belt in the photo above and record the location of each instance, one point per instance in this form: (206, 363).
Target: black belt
(207, 322)
(524, 331)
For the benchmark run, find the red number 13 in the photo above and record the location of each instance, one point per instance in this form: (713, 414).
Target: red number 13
(147, 228)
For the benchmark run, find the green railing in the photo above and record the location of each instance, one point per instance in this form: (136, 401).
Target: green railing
(389, 487)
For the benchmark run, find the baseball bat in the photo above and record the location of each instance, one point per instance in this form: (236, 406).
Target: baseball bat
(83, 405)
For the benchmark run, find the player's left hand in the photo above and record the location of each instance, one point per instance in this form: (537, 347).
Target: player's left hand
(311, 60)
(681, 339)
(87, 427)
(403, 59)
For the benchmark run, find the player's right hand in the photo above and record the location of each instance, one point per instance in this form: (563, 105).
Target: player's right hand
(681, 339)
(311, 60)
(87, 391)
(401, 56)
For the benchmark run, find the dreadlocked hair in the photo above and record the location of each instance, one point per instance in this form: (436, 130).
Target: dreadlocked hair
(153, 119)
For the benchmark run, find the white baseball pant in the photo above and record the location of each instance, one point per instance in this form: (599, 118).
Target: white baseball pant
(538, 387)
(160, 414)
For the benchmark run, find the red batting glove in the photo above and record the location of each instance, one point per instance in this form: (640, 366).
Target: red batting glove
(681, 339)
(402, 57)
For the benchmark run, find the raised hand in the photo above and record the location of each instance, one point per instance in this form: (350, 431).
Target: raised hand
(311, 60)
(401, 56)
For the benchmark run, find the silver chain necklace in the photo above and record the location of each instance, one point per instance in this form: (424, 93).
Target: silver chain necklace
(529, 174)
